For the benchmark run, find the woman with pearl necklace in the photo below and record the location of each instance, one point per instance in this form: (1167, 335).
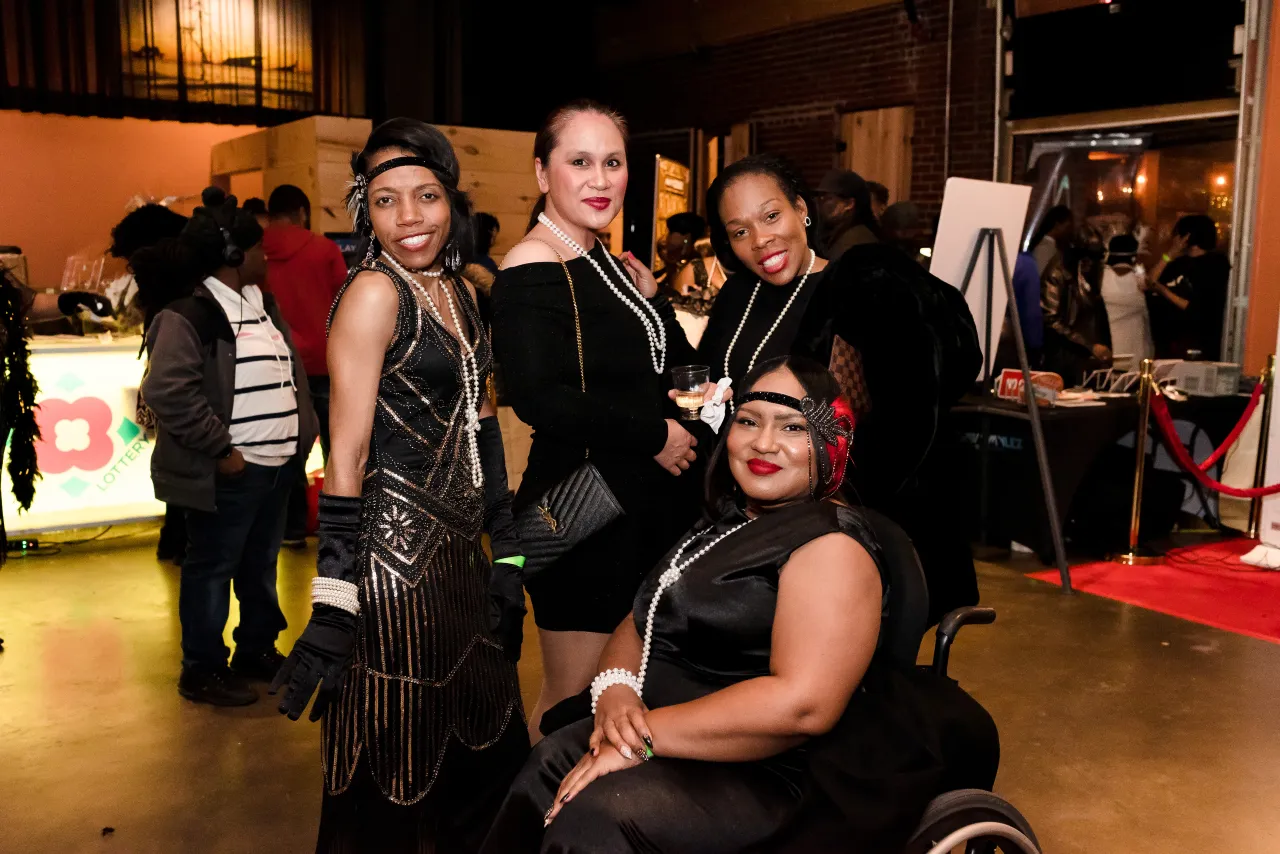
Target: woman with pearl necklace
(623, 422)
(414, 635)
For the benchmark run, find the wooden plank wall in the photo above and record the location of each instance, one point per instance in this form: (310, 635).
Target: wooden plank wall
(878, 147)
(497, 171)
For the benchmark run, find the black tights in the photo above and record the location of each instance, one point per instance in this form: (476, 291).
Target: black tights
(664, 805)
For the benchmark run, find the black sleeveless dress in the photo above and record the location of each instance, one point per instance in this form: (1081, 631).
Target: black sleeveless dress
(430, 726)
(869, 780)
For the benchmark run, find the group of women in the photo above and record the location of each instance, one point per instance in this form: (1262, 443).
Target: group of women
(705, 647)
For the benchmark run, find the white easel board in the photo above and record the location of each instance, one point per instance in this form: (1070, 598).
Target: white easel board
(969, 206)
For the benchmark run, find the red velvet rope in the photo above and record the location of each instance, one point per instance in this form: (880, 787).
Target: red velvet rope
(1160, 409)
(1235, 431)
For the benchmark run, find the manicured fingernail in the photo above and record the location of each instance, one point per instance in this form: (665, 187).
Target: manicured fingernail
(565, 799)
(648, 742)
(648, 754)
(626, 752)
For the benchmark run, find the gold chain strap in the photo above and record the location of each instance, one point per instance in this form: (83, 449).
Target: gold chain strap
(577, 323)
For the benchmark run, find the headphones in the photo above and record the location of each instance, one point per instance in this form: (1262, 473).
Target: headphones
(233, 255)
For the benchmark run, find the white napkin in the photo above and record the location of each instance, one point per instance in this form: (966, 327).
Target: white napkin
(713, 411)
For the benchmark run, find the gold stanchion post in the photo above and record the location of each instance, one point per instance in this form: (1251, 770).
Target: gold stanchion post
(1268, 380)
(1146, 388)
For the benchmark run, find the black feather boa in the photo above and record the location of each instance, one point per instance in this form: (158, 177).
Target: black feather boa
(17, 395)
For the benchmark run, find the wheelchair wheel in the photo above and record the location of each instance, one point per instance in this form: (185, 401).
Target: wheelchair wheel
(975, 822)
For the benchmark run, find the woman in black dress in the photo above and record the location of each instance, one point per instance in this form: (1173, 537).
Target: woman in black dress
(901, 342)
(624, 420)
(413, 639)
(748, 672)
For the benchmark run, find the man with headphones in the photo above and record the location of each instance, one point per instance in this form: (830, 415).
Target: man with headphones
(232, 414)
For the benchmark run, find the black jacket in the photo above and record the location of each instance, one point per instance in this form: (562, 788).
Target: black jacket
(190, 386)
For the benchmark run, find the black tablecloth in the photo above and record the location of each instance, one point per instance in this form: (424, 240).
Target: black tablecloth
(1075, 438)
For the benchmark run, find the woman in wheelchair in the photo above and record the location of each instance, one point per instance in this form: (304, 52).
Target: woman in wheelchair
(746, 704)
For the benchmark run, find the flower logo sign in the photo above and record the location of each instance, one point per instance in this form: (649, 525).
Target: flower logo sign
(74, 434)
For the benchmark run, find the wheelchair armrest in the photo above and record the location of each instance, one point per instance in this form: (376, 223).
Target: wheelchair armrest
(950, 627)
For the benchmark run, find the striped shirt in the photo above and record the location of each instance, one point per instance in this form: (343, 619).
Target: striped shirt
(264, 414)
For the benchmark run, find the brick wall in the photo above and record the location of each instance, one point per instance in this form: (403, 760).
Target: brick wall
(794, 83)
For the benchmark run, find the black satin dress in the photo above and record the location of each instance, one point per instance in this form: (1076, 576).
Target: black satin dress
(868, 780)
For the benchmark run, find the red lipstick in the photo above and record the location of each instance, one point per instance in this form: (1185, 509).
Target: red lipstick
(600, 203)
(763, 467)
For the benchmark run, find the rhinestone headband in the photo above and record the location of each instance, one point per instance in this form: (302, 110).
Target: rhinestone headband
(820, 414)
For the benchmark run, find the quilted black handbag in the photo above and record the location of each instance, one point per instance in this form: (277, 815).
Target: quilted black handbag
(573, 509)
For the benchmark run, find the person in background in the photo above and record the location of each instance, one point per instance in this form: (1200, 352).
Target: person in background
(482, 268)
(232, 412)
(1026, 296)
(1050, 238)
(1123, 287)
(844, 202)
(901, 226)
(879, 198)
(142, 227)
(487, 230)
(678, 250)
(304, 273)
(258, 208)
(1188, 292)
(1076, 331)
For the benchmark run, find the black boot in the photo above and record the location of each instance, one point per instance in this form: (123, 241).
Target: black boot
(260, 664)
(216, 685)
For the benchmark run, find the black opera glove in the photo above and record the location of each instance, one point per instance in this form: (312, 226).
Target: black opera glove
(322, 656)
(320, 659)
(339, 533)
(506, 577)
(498, 519)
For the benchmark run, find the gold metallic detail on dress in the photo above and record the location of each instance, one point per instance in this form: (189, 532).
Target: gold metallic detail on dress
(427, 673)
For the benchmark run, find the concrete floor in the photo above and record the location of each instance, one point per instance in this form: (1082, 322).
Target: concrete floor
(1123, 730)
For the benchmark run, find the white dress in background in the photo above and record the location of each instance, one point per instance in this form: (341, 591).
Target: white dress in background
(1127, 314)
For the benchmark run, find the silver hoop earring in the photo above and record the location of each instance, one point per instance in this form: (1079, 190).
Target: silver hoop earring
(807, 222)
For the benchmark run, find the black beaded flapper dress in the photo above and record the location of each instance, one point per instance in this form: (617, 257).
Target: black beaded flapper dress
(430, 726)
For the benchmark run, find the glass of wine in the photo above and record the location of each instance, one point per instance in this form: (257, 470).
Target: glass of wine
(688, 381)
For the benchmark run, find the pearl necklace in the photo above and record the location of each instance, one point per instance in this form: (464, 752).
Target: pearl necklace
(669, 577)
(467, 366)
(751, 364)
(654, 329)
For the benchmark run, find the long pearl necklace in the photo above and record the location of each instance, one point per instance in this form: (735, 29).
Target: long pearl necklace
(669, 577)
(649, 316)
(467, 366)
(751, 364)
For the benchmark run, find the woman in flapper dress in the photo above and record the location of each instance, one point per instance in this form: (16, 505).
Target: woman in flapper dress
(414, 635)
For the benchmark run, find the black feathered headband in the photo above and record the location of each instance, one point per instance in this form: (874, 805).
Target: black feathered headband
(358, 188)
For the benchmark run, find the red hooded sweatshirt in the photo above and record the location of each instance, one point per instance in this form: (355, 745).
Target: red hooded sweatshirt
(304, 273)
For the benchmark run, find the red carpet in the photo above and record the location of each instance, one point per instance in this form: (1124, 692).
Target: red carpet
(1205, 584)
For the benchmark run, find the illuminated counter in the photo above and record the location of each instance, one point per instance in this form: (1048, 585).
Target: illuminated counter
(95, 460)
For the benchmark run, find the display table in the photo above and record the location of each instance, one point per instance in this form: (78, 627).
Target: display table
(95, 460)
(1006, 498)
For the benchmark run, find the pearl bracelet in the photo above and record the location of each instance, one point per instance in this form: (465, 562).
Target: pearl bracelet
(609, 678)
(336, 593)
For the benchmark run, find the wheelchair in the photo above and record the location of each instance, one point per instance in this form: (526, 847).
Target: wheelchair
(973, 820)
(977, 819)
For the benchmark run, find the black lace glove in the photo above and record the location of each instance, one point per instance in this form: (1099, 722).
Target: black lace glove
(320, 659)
(506, 577)
(322, 656)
